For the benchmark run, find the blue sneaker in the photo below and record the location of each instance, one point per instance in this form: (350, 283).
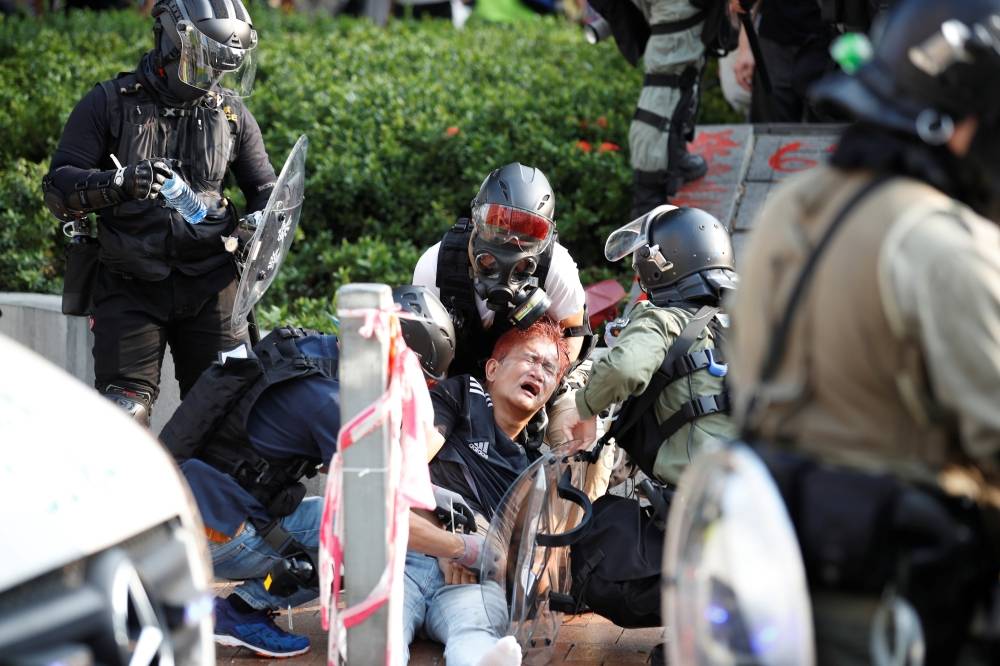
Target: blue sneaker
(256, 631)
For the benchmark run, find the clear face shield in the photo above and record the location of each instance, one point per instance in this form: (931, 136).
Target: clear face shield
(206, 63)
(627, 239)
(502, 225)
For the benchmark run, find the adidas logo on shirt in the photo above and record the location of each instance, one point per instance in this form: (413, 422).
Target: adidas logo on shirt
(481, 448)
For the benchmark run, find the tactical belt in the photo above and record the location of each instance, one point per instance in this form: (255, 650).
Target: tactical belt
(712, 359)
(704, 405)
(683, 81)
(661, 123)
(672, 27)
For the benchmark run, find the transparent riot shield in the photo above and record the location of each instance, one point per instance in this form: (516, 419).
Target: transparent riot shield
(525, 571)
(734, 585)
(273, 230)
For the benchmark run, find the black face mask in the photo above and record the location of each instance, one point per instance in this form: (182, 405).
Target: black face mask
(178, 89)
(168, 88)
(504, 278)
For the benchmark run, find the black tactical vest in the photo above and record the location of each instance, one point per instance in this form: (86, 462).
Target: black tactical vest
(474, 343)
(210, 424)
(146, 238)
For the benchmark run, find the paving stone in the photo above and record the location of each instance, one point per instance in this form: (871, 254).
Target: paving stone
(775, 157)
(597, 633)
(727, 149)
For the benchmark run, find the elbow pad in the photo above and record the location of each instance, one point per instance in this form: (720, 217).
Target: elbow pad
(91, 191)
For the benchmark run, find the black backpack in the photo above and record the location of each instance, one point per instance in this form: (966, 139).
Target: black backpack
(636, 430)
(616, 555)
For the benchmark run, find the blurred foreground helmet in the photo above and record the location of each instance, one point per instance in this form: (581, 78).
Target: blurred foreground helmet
(679, 254)
(734, 584)
(213, 42)
(935, 63)
(431, 334)
(512, 218)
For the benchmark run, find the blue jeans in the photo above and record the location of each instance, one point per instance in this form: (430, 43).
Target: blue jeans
(248, 558)
(455, 615)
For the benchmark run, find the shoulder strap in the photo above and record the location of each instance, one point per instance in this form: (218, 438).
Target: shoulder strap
(779, 336)
(453, 270)
(636, 406)
(114, 108)
(545, 260)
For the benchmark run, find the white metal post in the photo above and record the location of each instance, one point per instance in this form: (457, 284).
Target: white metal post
(377, 11)
(363, 378)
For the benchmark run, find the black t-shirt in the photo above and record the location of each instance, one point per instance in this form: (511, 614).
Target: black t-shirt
(478, 460)
(792, 22)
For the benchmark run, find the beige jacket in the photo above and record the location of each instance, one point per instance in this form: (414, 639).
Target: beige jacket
(893, 359)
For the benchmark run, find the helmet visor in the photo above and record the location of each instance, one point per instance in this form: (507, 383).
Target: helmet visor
(501, 225)
(629, 238)
(207, 64)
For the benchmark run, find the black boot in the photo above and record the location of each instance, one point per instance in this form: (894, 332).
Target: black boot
(658, 657)
(692, 167)
(685, 168)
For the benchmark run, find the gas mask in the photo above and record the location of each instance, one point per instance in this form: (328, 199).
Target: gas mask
(505, 245)
(504, 278)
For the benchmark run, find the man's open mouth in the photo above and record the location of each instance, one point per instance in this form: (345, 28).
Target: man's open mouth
(532, 388)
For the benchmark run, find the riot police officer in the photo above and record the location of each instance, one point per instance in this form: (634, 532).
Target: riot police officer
(664, 117)
(162, 280)
(865, 349)
(671, 344)
(503, 268)
(667, 35)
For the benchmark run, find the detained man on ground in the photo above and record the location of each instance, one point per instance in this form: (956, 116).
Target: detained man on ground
(478, 453)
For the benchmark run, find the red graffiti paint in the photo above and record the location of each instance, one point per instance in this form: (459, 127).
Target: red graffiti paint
(785, 160)
(713, 144)
(711, 190)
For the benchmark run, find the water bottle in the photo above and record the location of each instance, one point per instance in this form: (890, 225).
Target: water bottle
(182, 198)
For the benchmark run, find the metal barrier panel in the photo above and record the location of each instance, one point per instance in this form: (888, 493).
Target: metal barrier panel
(363, 378)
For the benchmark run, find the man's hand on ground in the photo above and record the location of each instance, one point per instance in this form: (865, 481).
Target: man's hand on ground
(456, 574)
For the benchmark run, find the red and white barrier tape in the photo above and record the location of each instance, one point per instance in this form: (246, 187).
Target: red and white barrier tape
(406, 407)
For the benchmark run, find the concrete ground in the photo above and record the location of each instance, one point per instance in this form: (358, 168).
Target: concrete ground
(584, 640)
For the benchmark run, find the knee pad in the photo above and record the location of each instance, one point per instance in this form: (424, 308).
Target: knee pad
(137, 403)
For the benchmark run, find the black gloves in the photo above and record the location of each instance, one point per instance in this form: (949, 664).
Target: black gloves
(144, 179)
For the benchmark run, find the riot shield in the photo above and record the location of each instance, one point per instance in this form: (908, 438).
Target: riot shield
(273, 230)
(734, 585)
(523, 562)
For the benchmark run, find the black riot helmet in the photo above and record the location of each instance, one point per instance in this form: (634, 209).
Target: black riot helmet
(206, 44)
(681, 255)
(935, 63)
(430, 333)
(513, 225)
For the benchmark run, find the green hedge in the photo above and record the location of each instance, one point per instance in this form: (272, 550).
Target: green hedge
(403, 122)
